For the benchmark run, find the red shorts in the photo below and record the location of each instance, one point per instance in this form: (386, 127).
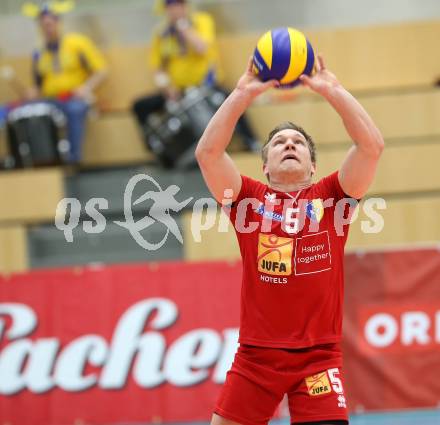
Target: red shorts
(259, 378)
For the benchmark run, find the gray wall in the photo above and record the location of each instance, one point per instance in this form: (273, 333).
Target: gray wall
(130, 21)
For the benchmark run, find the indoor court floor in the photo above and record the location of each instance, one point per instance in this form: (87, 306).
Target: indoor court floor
(410, 417)
(414, 417)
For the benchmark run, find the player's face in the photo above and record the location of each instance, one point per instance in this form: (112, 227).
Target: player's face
(288, 153)
(176, 11)
(50, 27)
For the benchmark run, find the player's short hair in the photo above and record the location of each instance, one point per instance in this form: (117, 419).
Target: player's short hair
(288, 125)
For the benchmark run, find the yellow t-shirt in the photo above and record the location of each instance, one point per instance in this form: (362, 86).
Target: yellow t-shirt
(63, 70)
(183, 64)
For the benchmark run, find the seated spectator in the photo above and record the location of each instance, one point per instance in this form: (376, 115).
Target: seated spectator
(184, 55)
(66, 71)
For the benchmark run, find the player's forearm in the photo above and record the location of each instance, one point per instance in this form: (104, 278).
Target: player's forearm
(357, 122)
(218, 133)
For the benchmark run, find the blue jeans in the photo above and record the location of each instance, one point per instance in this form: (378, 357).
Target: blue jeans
(75, 110)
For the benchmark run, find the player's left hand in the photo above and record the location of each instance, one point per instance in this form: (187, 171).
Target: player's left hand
(323, 81)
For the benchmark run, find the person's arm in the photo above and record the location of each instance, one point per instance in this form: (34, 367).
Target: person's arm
(359, 166)
(85, 91)
(199, 34)
(95, 63)
(163, 83)
(34, 92)
(191, 36)
(160, 77)
(217, 167)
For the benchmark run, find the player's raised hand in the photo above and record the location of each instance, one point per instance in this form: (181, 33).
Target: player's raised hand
(251, 85)
(323, 81)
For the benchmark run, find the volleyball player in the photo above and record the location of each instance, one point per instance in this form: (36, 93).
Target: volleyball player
(292, 286)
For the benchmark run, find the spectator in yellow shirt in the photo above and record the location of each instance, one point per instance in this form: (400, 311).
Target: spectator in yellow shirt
(66, 71)
(183, 55)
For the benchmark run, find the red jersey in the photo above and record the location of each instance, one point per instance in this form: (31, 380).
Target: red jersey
(292, 247)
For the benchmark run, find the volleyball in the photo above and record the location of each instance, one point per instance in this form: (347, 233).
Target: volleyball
(283, 54)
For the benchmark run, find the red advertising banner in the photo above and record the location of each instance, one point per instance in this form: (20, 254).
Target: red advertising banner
(153, 342)
(392, 329)
(125, 344)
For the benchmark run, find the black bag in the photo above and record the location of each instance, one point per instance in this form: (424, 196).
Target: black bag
(173, 136)
(33, 132)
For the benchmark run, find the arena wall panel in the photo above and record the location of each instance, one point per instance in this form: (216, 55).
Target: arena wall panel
(114, 139)
(408, 221)
(369, 57)
(30, 196)
(399, 115)
(403, 118)
(21, 67)
(128, 79)
(363, 58)
(208, 244)
(402, 168)
(13, 249)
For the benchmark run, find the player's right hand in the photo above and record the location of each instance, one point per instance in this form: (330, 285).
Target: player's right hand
(251, 86)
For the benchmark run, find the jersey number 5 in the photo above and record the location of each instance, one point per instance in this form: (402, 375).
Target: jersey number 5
(336, 382)
(291, 222)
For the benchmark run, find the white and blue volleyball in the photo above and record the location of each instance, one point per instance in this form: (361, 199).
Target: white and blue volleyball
(283, 54)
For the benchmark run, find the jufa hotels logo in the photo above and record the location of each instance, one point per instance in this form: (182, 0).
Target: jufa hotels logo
(275, 255)
(318, 384)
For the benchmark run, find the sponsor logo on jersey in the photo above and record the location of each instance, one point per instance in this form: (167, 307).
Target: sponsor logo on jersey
(342, 402)
(274, 255)
(269, 214)
(315, 210)
(312, 253)
(270, 197)
(318, 384)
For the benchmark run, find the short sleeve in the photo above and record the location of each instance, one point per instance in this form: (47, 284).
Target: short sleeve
(331, 187)
(249, 190)
(205, 28)
(154, 59)
(90, 54)
(344, 205)
(245, 188)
